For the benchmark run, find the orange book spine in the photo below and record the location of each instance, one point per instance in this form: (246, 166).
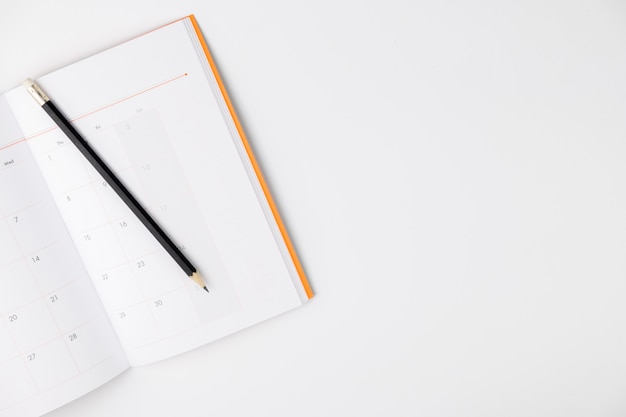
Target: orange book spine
(255, 165)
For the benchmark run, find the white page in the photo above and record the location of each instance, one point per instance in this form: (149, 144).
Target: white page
(56, 342)
(147, 108)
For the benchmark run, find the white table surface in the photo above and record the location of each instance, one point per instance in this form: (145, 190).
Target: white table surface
(453, 176)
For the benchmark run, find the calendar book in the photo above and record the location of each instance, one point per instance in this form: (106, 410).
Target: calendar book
(85, 290)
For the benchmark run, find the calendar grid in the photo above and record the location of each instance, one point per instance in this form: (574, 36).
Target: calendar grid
(127, 260)
(10, 334)
(51, 315)
(52, 327)
(109, 221)
(136, 281)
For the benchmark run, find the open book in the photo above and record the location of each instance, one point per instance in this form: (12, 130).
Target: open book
(85, 290)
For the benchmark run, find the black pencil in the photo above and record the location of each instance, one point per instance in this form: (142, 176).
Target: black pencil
(44, 101)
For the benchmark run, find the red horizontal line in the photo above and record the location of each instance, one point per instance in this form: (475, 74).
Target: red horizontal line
(129, 97)
(12, 144)
(97, 110)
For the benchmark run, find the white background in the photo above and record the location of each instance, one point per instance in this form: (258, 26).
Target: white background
(453, 175)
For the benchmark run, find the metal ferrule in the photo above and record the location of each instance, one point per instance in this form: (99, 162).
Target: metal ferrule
(40, 97)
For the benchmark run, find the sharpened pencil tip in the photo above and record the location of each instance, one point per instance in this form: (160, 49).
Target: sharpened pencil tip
(206, 289)
(195, 277)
